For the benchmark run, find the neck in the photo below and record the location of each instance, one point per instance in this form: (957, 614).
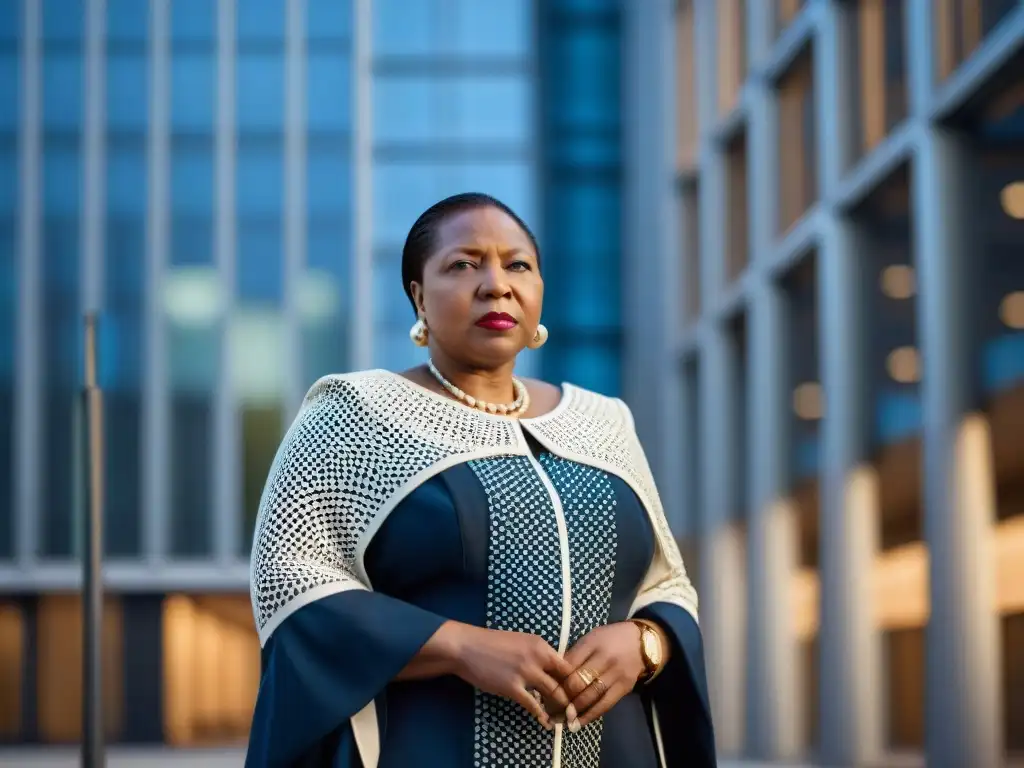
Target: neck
(492, 385)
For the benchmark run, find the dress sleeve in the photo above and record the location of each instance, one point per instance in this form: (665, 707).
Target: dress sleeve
(330, 644)
(679, 695)
(322, 665)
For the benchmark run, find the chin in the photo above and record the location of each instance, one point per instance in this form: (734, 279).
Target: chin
(493, 353)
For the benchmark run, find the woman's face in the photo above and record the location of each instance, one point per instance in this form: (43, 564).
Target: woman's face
(482, 292)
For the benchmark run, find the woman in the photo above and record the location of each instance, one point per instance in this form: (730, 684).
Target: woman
(456, 568)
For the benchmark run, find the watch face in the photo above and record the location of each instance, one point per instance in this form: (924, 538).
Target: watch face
(652, 648)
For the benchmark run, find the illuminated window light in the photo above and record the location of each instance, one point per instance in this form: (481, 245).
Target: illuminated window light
(809, 401)
(1011, 310)
(1012, 199)
(904, 365)
(899, 281)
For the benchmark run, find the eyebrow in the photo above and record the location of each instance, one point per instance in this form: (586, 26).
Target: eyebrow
(473, 251)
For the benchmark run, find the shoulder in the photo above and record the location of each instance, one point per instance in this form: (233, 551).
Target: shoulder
(585, 402)
(353, 391)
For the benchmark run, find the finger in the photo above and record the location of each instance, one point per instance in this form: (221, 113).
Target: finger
(531, 705)
(558, 667)
(589, 696)
(551, 689)
(602, 706)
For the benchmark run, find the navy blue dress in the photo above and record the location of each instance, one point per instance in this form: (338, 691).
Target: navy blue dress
(461, 547)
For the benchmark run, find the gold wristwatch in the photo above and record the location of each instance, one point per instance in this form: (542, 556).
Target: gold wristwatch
(651, 650)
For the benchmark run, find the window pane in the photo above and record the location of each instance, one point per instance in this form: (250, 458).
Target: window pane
(804, 372)
(260, 21)
(404, 28)
(328, 19)
(686, 86)
(61, 353)
(329, 97)
(880, 49)
(738, 230)
(797, 142)
(486, 108)
(121, 342)
(494, 28)
(961, 25)
(193, 296)
(785, 12)
(895, 369)
(260, 92)
(690, 224)
(732, 47)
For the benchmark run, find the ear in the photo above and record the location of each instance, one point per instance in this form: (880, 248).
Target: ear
(417, 296)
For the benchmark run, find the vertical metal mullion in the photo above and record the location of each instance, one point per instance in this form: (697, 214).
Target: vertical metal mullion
(361, 322)
(294, 198)
(156, 397)
(225, 507)
(28, 393)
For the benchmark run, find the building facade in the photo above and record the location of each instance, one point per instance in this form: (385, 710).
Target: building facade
(835, 311)
(230, 183)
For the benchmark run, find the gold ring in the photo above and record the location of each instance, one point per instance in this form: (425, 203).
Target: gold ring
(587, 676)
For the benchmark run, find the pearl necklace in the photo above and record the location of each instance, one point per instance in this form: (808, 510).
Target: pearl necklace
(515, 408)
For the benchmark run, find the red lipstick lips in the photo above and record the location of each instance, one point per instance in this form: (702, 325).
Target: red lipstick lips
(497, 321)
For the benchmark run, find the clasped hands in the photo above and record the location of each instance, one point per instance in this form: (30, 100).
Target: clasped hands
(596, 672)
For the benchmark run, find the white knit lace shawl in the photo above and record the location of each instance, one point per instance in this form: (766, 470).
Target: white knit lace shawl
(362, 442)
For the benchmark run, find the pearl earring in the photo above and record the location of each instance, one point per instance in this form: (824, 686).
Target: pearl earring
(539, 337)
(418, 333)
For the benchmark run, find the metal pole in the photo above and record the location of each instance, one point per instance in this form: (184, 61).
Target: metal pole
(92, 559)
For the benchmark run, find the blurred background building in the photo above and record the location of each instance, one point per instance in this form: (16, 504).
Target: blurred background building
(790, 234)
(849, 261)
(231, 183)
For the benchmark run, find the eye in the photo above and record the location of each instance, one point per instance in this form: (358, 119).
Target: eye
(520, 266)
(462, 265)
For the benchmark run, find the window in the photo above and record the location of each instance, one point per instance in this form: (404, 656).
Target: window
(880, 49)
(687, 117)
(807, 406)
(193, 296)
(9, 181)
(738, 221)
(785, 12)
(961, 25)
(732, 52)
(895, 368)
(797, 141)
(739, 354)
(59, 668)
(690, 202)
(211, 669)
(63, 84)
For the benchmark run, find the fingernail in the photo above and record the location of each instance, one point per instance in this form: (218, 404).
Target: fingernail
(574, 726)
(570, 712)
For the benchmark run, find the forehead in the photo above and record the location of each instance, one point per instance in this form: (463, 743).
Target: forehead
(482, 227)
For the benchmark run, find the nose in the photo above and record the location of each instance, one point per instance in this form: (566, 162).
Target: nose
(493, 281)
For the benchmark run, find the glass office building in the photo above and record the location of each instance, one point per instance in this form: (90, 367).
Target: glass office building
(847, 346)
(230, 183)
